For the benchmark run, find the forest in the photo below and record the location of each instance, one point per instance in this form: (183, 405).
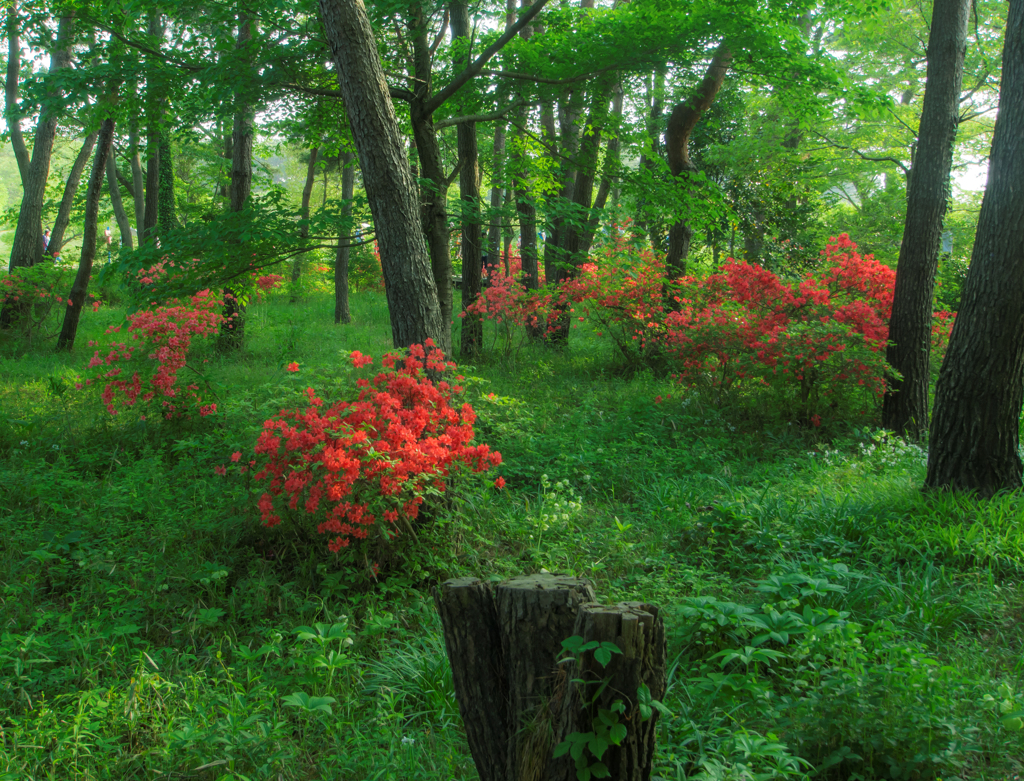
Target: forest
(550, 390)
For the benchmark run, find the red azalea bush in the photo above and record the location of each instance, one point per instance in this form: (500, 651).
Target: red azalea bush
(819, 342)
(43, 289)
(366, 466)
(156, 350)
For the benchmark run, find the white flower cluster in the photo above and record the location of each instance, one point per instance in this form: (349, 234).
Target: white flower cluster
(559, 503)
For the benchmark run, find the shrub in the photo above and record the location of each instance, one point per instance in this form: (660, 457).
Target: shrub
(356, 468)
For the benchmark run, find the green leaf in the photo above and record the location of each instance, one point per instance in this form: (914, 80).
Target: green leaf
(598, 770)
(598, 746)
(617, 734)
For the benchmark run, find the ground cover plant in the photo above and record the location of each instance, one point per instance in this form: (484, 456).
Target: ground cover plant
(826, 618)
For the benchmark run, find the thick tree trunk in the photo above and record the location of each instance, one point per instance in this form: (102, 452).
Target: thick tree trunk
(681, 122)
(469, 193)
(307, 194)
(348, 190)
(390, 188)
(124, 225)
(518, 703)
(11, 91)
(27, 247)
(905, 406)
(67, 201)
(974, 438)
(80, 287)
(151, 216)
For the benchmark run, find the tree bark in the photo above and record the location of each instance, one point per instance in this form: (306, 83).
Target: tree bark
(138, 181)
(639, 632)
(518, 702)
(80, 287)
(974, 436)
(67, 201)
(905, 406)
(412, 296)
(27, 247)
(11, 113)
(497, 176)
(307, 195)
(348, 189)
(124, 225)
(168, 213)
(469, 193)
(681, 122)
(232, 332)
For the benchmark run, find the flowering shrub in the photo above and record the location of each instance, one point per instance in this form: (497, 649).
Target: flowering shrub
(820, 340)
(366, 466)
(42, 289)
(157, 348)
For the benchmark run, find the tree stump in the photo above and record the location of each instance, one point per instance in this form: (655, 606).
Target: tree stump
(517, 702)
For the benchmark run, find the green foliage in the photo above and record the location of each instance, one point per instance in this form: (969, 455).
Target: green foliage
(825, 618)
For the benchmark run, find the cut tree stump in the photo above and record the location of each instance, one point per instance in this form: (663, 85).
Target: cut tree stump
(518, 703)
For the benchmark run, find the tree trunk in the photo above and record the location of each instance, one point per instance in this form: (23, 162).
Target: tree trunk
(232, 332)
(11, 91)
(307, 195)
(138, 181)
(67, 201)
(974, 440)
(518, 702)
(348, 190)
(124, 225)
(681, 122)
(151, 215)
(905, 406)
(27, 247)
(469, 193)
(497, 176)
(80, 287)
(656, 104)
(611, 164)
(168, 213)
(390, 189)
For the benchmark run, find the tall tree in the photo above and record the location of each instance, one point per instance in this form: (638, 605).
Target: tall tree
(27, 248)
(307, 194)
(341, 259)
(80, 287)
(11, 90)
(67, 201)
(469, 193)
(975, 432)
(905, 406)
(412, 297)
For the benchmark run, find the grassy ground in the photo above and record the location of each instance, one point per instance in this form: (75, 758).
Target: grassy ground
(825, 616)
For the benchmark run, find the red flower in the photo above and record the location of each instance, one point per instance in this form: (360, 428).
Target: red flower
(292, 367)
(499, 483)
(236, 456)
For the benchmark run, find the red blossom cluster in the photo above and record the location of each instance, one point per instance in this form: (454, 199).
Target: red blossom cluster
(351, 464)
(157, 350)
(38, 285)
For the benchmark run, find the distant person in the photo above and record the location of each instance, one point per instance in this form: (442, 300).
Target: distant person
(106, 235)
(46, 239)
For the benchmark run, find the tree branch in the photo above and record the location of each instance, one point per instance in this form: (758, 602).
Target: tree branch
(460, 81)
(870, 158)
(489, 117)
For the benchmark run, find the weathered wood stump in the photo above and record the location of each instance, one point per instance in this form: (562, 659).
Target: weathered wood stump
(504, 642)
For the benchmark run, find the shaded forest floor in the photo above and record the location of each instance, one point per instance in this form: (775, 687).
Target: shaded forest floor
(825, 617)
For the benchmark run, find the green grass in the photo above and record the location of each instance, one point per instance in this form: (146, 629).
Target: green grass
(151, 627)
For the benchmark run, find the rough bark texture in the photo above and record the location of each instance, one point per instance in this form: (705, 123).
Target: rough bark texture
(348, 188)
(11, 113)
(124, 225)
(472, 638)
(681, 123)
(27, 247)
(67, 201)
(73, 313)
(905, 406)
(974, 432)
(151, 213)
(168, 215)
(307, 194)
(390, 188)
(639, 632)
(469, 193)
(518, 702)
(497, 175)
